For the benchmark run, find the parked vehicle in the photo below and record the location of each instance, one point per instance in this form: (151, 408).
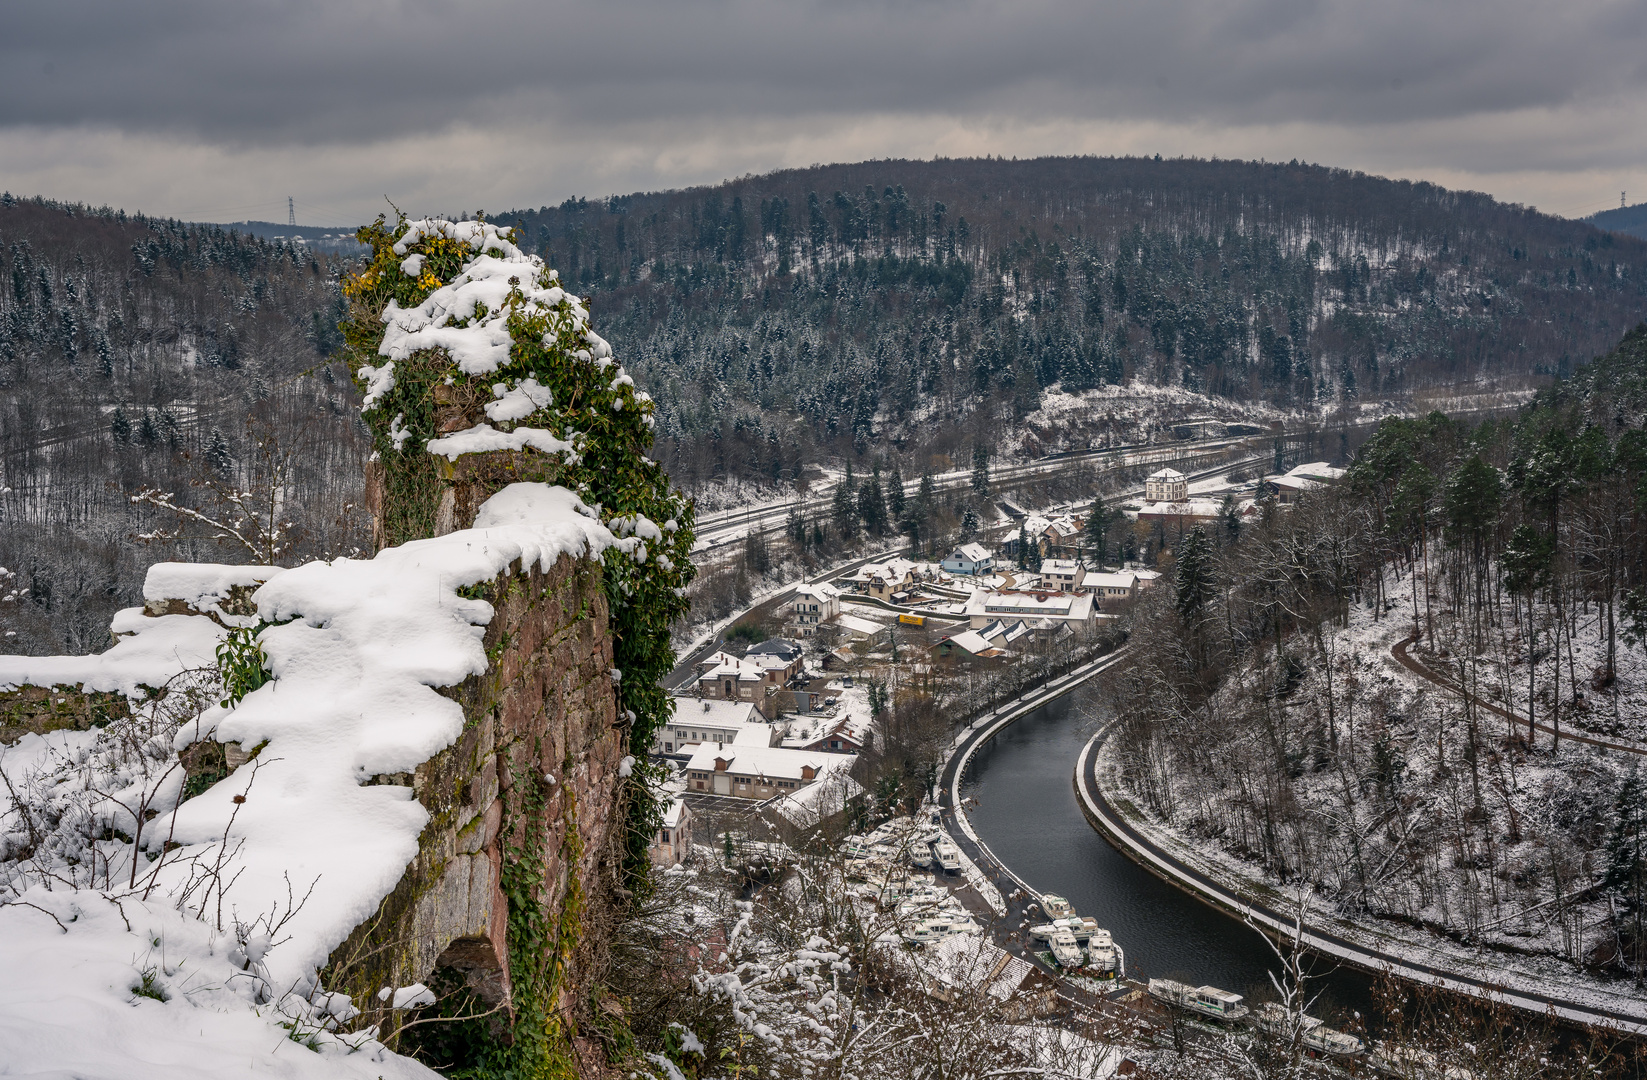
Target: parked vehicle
(1205, 1000)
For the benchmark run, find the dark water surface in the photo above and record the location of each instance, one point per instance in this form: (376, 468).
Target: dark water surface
(1027, 812)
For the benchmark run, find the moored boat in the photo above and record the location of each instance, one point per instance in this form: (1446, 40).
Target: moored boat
(1205, 1000)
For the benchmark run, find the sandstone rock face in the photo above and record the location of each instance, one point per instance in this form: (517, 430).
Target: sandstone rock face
(546, 708)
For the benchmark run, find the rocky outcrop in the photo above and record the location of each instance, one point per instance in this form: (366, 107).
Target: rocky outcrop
(41, 709)
(541, 731)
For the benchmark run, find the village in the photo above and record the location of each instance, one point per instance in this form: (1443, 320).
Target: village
(773, 726)
(766, 739)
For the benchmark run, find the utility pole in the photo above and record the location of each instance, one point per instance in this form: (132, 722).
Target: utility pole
(291, 212)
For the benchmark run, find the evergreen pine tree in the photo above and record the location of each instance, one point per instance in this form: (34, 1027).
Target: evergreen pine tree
(1097, 529)
(872, 505)
(980, 469)
(1194, 583)
(148, 430)
(217, 453)
(1626, 872)
(969, 524)
(120, 425)
(1230, 519)
(895, 494)
(1023, 546)
(843, 514)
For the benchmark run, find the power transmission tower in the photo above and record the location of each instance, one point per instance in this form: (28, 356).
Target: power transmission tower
(291, 212)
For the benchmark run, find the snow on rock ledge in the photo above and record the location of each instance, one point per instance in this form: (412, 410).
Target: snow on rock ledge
(201, 586)
(148, 651)
(357, 653)
(358, 648)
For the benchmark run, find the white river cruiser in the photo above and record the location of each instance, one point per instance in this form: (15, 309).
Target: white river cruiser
(1205, 1000)
(1315, 1034)
(937, 928)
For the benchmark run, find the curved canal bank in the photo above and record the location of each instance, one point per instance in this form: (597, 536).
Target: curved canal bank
(1027, 817)
(1128, 831)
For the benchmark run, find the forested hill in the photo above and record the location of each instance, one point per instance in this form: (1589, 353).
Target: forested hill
(139, 352)
(1631, 220)
(839, 309)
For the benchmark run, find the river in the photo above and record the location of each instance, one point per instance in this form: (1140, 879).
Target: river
(1027, 812)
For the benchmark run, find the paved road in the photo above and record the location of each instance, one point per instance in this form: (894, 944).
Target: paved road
(1113, 824)
(688, 664)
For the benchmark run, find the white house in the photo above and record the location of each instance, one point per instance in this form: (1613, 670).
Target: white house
(755, 678)
(674, 840)
(969, 643)
(701, 720)
(759, 772)
(970, 559)
(883, 579)
(1306, 477)
(1065, 575)
(984, 607)
(1114, 587)
(814, 604)
(1167, 485)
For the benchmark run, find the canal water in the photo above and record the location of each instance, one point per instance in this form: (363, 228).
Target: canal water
(1028, 814)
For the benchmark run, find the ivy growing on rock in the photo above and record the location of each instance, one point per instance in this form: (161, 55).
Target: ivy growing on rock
(462, 345)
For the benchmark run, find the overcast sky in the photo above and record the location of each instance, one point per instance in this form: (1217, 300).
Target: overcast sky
(217, 111)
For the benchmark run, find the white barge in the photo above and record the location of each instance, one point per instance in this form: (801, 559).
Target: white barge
(1314, 1033)
(1204, 1000)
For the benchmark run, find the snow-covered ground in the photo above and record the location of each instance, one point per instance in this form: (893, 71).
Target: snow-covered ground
(1397, 850)
(180, 936)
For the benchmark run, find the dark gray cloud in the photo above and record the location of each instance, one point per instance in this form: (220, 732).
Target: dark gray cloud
(311, 72)
(637, 93)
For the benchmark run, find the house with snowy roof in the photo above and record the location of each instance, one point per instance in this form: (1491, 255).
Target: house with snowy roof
(752, 680)
(812, 606)
(968, 643)
(1075, 609)
(972, 560)
(846, 735)
(1303, 478)
(1113, 587)
(701, 720)
(882, 579)
(674, 840)
(1064, 575)
(967, 964)
(1166, 485)
(759, 772)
